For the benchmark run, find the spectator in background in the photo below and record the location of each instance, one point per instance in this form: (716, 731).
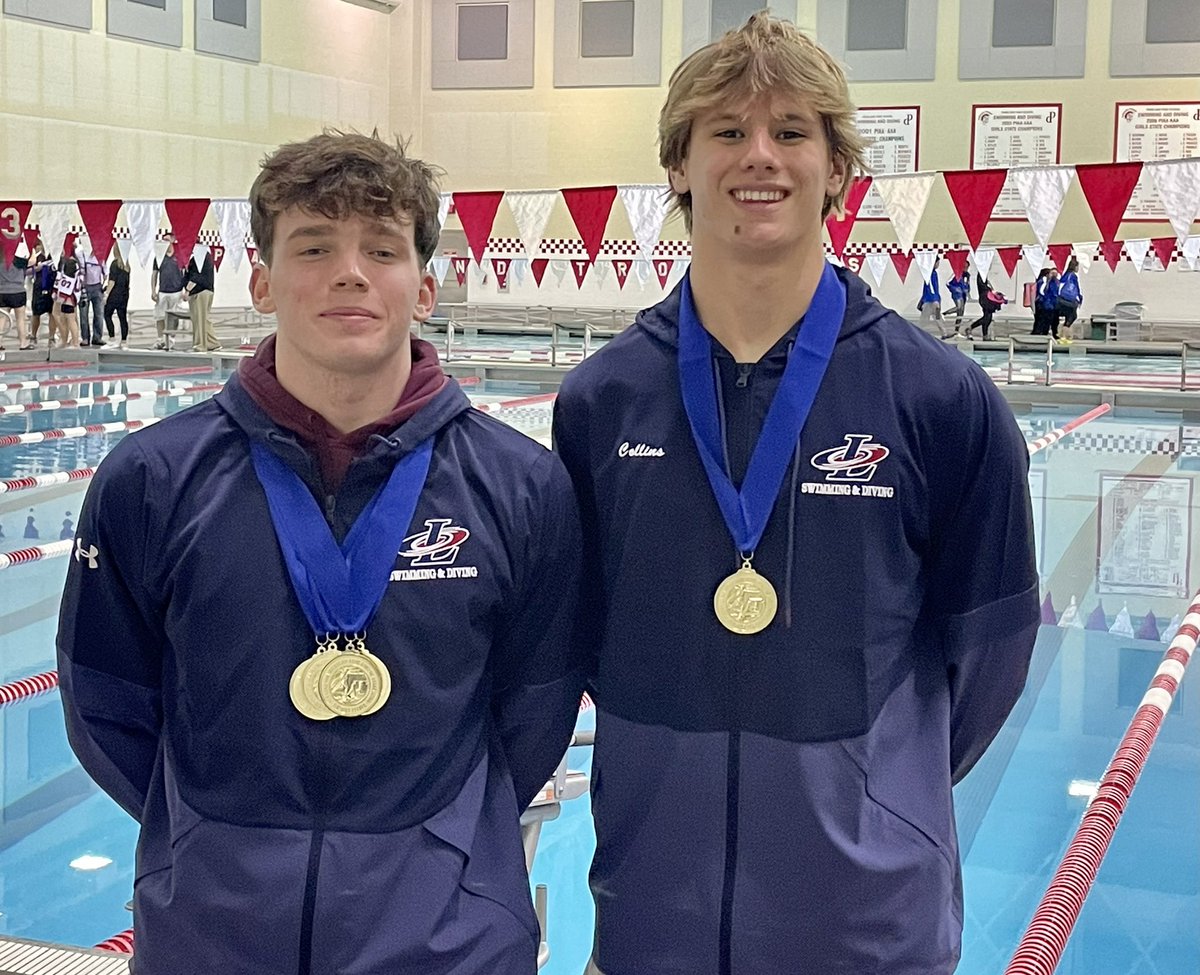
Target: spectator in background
(31, 526)
(41, 267)
(13, 299)
(116, 296)
(68, 285)
(930, 304)
(198, 287)
(1045, 304)
(166, 289)
(91, 298)
(1069, 296)
(990, 302)
(960, 290)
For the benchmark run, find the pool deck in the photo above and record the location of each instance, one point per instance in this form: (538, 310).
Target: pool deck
(19, 957)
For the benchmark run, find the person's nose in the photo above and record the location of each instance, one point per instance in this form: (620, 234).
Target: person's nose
(350, 276)
(761, 151)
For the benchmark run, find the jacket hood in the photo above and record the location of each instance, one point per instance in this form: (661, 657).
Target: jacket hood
(662, 320)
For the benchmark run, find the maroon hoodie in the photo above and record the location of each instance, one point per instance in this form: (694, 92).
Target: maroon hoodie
(334, 450)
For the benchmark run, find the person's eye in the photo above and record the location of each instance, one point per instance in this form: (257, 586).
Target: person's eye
(384, 253)
(789, 135)
(728, 133)
(311, 251)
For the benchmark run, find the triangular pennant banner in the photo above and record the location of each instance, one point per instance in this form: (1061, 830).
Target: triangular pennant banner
(538, 267)
(233, 217)
(520, 268)
(69, 244)
(1107, 188)
(580, 267)
(500, 268)
(1111, 249)
(100, 217)
(1164, 247)
(644, 270)
(600, 272)
(1008, 258)
(443, 209)
(1191, 252)
(590, 207)
(1085, 253)
(621, 268)
(984, 257)
(974, 193)
(839, 229)
(646, 207)
(1137, 249)
(1178, 184)
(531, 210)
(460, 269)
(477, 213)
(1059, 255)
(31, 237)
(13, 215)
(252, 254)
(905, 197)
(901, 261)
(877, 264)
(441, 264)
(957, 260)
(53, 220)
(662, 268)
(927, 260)
(559, 270)
(1042, 190)
(1035, 257)
(186, 217)
(218, 255)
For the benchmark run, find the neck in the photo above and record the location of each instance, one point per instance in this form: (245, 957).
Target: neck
(748, 307)
(346, 400)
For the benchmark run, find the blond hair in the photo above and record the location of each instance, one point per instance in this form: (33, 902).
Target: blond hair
(763, 56)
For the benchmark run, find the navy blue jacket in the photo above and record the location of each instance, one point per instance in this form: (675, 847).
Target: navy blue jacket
(271, 843)
(782, 802)
(1048, 293)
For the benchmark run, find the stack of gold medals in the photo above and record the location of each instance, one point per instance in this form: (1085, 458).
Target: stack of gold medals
(335, 683)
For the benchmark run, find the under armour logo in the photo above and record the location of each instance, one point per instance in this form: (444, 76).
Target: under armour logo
(88, 553)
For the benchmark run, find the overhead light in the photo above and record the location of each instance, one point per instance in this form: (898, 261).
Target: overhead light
(89, 861)
(382, 6)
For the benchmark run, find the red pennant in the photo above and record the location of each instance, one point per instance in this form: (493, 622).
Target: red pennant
(974, 193)
(590, 207)
(12, 224)
(1009, 256)
(252, 253)
(32, 235)
(1111, 249)
(1107, 188)
(580, 267)
(477, 212)
(538, 267)
(100, 216)
(218, 255)
(1059, 254)
(839, 230)
(663, 270)
(68, 247)
(621, 267)
(185, 216)
(958, 261)
(460, 268)
(500, 266)
(1164, 247)
(901, 261)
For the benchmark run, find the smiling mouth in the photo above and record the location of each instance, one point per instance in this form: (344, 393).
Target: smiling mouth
(758, 196)
(347, 313)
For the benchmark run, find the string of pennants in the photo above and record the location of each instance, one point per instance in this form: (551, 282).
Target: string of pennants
(1147, 627)
(1107, 188)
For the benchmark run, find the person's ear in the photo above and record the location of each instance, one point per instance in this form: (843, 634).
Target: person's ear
(426, 298)
(260, 290)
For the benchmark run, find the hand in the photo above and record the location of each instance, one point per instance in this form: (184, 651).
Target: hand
(154, 294)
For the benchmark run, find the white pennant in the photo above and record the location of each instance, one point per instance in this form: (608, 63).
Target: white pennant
(1191, 252)
(443, 208)
(519, 267)
(600, 271)
(144, 217)
(531, 211)
(643, 269)
(1137, 250)
(983, 259)
(905, 198)
(1122, 625)
(233, 217)
(441, 266)
(559, 270)
(1085, 253)
(1042, 190)
(926, 259)
(1178, 186)
(1169, 631)
(1070, 615)
(53, 220)
(1035, 257)
(646, 206)
(877, 264)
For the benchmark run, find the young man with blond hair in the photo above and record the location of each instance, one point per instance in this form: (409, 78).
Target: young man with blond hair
(814, 600)
(315, 637)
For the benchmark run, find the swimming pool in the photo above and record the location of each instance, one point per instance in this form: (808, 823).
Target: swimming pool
(1115, 512)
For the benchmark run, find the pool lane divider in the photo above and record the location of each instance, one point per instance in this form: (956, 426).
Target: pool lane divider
(18, 690)
(72, 380)
(1055, 435)
(121, 943)
(48, 406)
(41, 366)
(509, 404)
(68, 433)
(1042, 946)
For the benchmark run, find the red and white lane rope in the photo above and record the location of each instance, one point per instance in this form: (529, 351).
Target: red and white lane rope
(47, 406)
(510, 404)
(28, 686)
(43, 366)
(1045, 939)
(110, 377)
(67, 433)
(54, 550)
(121, 943)
(1055, 435)
(45, 480)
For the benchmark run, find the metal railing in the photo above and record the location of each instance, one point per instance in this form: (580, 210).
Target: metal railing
(1032, 343)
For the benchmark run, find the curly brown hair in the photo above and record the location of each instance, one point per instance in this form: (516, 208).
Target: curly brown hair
(764, 55)
(343, 174)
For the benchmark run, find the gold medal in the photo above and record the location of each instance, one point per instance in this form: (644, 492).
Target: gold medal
(385, 691)
(745, 602)
(351, 684)
(302, 687)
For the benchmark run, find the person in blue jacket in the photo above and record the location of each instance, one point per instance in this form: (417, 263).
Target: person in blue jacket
(1045, 314)
(931, 303)
(810, 584)
(960, 291)
(316, 636)
(1069, 295)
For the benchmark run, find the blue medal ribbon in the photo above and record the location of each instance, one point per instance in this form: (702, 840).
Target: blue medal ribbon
(341, 587)
(746, 511)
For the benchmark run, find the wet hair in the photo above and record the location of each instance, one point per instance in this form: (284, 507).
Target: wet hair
(345, 174)
(763, 56)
